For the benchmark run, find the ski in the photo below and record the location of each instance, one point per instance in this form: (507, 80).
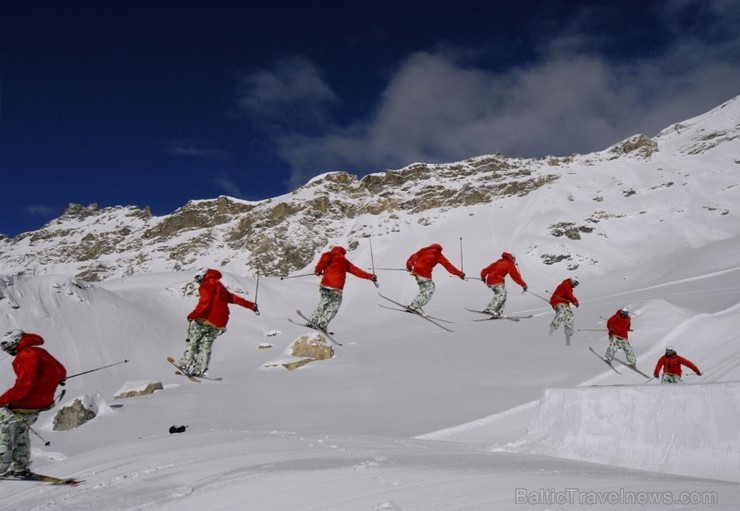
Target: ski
(180, 371)
(209, 378)
(500, 316)
(435, 318)
(329, 335)
(33, 476)
(635, 369)
(403, 308)
(604, 360)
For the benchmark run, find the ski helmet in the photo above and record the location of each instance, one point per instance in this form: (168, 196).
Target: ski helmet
(670, 350)
(9, 342)
(624, 311)
(200, 274)
(574, 281)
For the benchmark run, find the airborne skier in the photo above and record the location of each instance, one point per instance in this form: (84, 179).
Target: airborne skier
(618, 327)
(420, 265)
(208, 320)
(561, 299)
(333, 268)
(494, 276)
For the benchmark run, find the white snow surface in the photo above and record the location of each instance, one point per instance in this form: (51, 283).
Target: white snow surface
(496, 415)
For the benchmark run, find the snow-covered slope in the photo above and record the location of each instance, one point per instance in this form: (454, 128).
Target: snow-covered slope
(406, 416)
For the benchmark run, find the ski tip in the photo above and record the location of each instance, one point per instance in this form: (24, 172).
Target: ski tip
(170, 359)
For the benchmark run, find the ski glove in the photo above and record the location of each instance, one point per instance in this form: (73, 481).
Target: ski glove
(256, 309)
(462, 276)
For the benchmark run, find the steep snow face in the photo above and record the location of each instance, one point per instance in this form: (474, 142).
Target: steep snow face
(661, 428)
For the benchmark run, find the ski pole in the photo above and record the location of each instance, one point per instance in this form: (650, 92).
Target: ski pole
(297, 276)
(47, 443)
(256, 290)
(538, 296)
(462, 262)
(96, 369)
(372, 261)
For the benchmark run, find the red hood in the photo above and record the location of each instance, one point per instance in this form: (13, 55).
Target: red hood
(29, 340)
(338, 250)
(212, 274)
(507, 256)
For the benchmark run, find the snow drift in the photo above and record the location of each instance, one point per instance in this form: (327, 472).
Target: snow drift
(679, 429)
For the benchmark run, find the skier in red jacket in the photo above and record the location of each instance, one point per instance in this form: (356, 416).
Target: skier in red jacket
(561, 299)
(420, 265)
(671, 364)
(619, 326)
(494, 276)
(208, 320)
(37, 376)
(333, 267)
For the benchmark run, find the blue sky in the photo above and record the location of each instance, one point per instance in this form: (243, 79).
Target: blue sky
(153, 103)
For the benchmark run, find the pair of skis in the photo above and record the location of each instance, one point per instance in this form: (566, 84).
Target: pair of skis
(328, 335)
(499, 316)
(193, 378)
(635, 369)
(432, 319)
(33, 476)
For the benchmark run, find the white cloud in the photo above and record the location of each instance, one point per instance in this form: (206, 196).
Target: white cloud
(41, 210)
(292, 94)
(192, 149)
(437, 107)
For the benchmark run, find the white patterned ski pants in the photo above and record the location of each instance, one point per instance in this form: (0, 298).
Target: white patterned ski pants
(327, 308)
(670, 378)
(426, 290)
(15, 444)
(497, 303)
(198, 347)
(564, 315)
(617, 343)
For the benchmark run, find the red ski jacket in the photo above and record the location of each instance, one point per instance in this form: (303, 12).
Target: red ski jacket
(213, 304)
(37, 376)
(672, 365)
(619, 326)
(564, 294)
(423, 262)
(496, 272)
(333, 267)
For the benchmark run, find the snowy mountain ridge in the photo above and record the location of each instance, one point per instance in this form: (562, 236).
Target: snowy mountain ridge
(644, 182)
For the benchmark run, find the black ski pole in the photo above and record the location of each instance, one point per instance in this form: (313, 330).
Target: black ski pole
(538, 296)
(96, 369)
(297, 276)
(47, 443)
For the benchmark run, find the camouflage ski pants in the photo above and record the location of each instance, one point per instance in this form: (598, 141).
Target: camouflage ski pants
(426, 290)
(15, 444)
(198, 347)
(496, 305)
(670, 378)
(617, 343)
(327, 308)
(563, 314)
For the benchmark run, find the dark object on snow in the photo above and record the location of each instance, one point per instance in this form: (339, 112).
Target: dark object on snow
(177, 429)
